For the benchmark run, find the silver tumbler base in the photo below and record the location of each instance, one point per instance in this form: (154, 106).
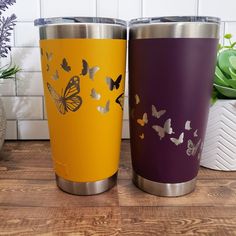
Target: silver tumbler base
(86, 188)
(163, 189)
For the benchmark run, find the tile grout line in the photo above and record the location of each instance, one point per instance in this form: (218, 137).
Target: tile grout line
(197, 7)
(141, 8)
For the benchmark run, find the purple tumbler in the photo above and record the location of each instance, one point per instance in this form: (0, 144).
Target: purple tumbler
(171, 70)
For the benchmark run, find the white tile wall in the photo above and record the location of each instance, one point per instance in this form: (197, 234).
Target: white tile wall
(107, 8)
(23, 107)
(33, 129)
(26, 35)
(129, 9)
(7, 87)
(23, 96)
(169, 7)
(29, 83)
(225, 9)
(52, 8)
(26, 10)
(11, 130)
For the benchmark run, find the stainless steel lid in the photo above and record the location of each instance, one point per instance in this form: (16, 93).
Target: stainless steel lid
(81, 27)
(175, 27)
(78, 20)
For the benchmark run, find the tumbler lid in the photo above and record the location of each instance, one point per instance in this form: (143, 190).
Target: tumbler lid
(175, 27)
(169, 19)
(78, 20)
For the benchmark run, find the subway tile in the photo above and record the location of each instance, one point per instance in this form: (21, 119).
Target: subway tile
(130, 9)
(11, 132)
(125, 130)
(126, 109)
(54, 8)
(26, 34)
(107, 8)
(23, 107)
(29, 83)
(155, 8)
(223, 9)
(45, 115)
(33, 129)
(25, 10)
(28, 59)
(7, 87)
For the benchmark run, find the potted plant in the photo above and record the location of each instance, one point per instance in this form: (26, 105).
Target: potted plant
(219, 150)
(6, 71)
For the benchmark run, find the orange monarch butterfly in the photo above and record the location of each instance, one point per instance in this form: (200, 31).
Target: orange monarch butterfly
(69, 100)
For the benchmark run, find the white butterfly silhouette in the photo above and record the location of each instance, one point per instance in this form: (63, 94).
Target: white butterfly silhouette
(55, 76)
(156, 113)
(89, 70)
(188, 125)
(105, 109)
(192, 149)
(179, 140)
(195, 133)
(167, 129)
(137, 99)
(95, 95)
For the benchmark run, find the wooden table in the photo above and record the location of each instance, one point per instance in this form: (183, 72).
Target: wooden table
(31, 204)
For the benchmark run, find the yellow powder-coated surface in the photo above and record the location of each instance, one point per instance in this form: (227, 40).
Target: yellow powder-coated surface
(85, 143)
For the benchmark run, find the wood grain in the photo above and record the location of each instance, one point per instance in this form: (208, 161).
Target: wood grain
(178, 221)
(31, 204)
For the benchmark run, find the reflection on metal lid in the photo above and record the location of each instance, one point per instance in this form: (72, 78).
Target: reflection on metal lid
(78, 20)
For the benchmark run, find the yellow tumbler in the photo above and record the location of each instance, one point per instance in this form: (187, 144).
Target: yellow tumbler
(83, 67)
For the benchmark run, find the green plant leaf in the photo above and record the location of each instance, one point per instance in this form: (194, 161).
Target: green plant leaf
(223, 59)
(228, 36)
(232, 61)
(233, 44)
(227, 92)
(232, 83)
(220, 79)
(232, 73)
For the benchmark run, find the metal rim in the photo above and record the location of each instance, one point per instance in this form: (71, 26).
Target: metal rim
(168, 19)
(164, 189)
(78, 20)
(86, 188)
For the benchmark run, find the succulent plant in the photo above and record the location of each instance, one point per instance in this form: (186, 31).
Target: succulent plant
(225, 72)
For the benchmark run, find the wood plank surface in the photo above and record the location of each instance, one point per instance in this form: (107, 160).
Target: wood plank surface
(31, 204)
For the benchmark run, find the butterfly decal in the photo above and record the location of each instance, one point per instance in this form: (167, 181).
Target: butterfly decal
(87, 70)
(104, 110)
(166, 129)
(178, 141)
(120, 100)
(132, 113)
(188, 125)
(191, 148)
(141, 136)
(55, 76)
(137, 99)
(69, 100)
(95, 95)
(49, 56)
(195, 134)
(113, 84)
(65, 65)
(156, 113)
(143, 121)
